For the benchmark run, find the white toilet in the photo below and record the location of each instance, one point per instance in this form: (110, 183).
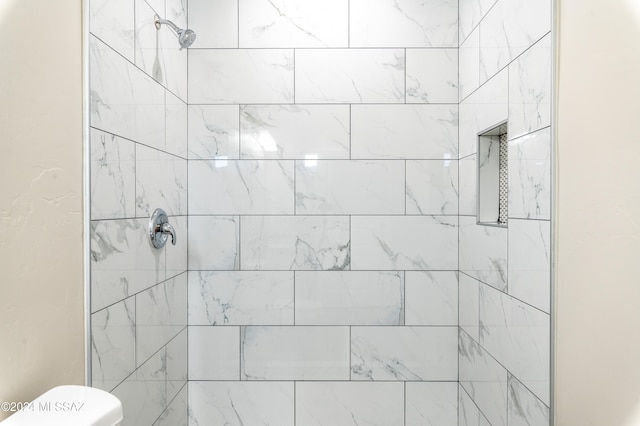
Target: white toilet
(70, 406)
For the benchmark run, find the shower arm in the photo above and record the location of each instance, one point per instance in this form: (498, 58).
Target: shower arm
(171, 25)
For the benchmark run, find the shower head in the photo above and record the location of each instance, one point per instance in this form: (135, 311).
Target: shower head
(186, 37)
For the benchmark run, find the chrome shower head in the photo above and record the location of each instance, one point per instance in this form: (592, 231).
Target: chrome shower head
(186, 37)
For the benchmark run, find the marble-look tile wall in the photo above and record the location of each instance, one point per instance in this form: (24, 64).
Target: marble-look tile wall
(504, 293)
(323, 212)
(334, 261)
(138, 150)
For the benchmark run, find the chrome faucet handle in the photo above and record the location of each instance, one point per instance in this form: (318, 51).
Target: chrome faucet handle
(160, 229)
(167, 229)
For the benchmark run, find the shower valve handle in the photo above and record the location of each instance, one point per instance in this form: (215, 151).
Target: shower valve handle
(160, 229)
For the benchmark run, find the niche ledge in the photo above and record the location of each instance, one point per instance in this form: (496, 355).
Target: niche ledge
(493, 172)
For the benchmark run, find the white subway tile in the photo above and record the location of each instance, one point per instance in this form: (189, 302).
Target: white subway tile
(161, 182)
(530, 176)
(468, 167)
(470, 64)
(404, 242)
(410, 23)
(418, 132)
(213, 242)
(530, 262)
(214, 353)
(295, 242)
(241, 187)
(112, 22)
(124, 100)
(349, 298)
(215, 23)
(144, 393)
(432, 76)
(468, 412)
(404, 353)
(241, 403)
(510, 28)
(161, 313)
(484, 109)
(294, 23)
(231, 76)
(113, 174)
(469, 306)
(431, 298)
(214, 132)
(483, 252)
(176, 413)
(113, 344)
(517, 336)
(295, 353)
(122, 261)
(176, 123)
(432, 187)
(177, 261)
(530, 90)
(348, 403)
(240, 298)
(432, 403)
(295, 131)
(484, 379)
(350, 187)
(470, 14)
(525, 409)
(176, 360)
(350, 75)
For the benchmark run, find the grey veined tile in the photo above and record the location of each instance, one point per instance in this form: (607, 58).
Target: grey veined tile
(483, 252)
(349, 403)
(295, 242)
(432, 187)
(350, 76)
(349, 298)
(295, 353)
(421, 132)
(509, 29)
(224, 76)
(124, 100)
(293, 23)
(161, 313)
(161, 182)
(113, 168)
(350, 187)
(122, 261)
(404, 242)
(404, 353)
(484, 379)
(113, 344)
(432, 404)
(390, 23)
(213, 242)
(241, 298)
(525, 409)
(517, 336)
(308, 132)
(241, 403)
(530, 89)
(236, 187)
(432, 76)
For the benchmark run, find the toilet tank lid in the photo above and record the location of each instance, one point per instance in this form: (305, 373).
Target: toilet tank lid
(70, 405)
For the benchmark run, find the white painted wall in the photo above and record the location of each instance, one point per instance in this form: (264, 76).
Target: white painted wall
(598, 214)
(41, 278)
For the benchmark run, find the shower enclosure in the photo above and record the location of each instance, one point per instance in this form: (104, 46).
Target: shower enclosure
(322, 164)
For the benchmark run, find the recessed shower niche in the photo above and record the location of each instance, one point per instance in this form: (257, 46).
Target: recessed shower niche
(493, 172)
